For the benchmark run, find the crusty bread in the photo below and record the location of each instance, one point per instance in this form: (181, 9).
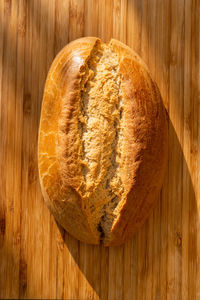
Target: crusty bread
(102, 147)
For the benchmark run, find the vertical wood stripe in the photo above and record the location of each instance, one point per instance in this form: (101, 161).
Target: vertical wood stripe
(37, 258)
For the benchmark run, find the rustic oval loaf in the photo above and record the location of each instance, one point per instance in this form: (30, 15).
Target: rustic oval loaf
(102, 141)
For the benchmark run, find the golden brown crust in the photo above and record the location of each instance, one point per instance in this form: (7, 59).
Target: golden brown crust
(63, 77)
(148, 131)
(60, 149)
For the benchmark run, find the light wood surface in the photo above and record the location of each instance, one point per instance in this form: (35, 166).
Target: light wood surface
(37, 258)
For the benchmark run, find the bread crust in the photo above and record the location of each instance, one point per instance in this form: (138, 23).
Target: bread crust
(145, 142)
(61, 198)
(150, 139)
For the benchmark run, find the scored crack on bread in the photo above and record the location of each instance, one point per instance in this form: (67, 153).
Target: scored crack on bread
(102, 161)
(96, 135)
(100, 121)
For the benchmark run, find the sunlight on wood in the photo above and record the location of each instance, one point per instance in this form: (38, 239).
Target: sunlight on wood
(39, 260)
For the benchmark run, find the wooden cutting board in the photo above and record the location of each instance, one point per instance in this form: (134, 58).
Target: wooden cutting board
(37, 258)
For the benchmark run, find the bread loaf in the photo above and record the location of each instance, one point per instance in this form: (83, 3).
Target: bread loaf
(102, 146)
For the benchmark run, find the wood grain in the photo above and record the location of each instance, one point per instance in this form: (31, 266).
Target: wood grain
(37, 258)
